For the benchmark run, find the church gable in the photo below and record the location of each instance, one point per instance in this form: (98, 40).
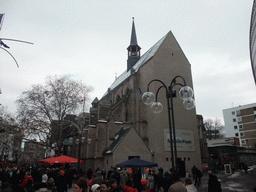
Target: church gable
(131, 145)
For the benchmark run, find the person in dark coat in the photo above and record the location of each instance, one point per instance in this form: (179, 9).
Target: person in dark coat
(16, 180)
(213, 183)
(61, 182)
(137, 180)
(109, 173)
(167, 181)
(197, 175)
(5, 175)
(89, 174)
(98, 179)
(103, 173)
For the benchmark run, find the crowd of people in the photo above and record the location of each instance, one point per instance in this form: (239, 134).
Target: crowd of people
(59, 179)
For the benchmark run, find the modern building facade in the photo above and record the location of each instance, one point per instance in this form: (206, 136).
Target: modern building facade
(253, 40)
(122, 126)
(240, 122)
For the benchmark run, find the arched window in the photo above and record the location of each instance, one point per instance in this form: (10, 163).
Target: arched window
(118, 98)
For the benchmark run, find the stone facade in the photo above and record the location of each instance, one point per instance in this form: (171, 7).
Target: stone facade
(121, 108)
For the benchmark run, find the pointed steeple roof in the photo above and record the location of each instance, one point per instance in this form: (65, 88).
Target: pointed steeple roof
(133, 36)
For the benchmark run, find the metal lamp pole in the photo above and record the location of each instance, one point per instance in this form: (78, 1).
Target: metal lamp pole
(185, 93)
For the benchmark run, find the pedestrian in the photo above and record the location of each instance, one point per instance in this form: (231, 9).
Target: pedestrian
(104, 187)
(245, 167)
(213, 183)
(197, 175)
(150, 181)
(50, 185)
(103, 173)
(115, 175)
(114, 187)
(61, 182)
(89, 173)
(27, 180)
(80, 185)
(177, 186)
(137, 180)
(98, 179)
(155, 179)
(124, 176)
(128, 187)
(189, 185)
(95, 188)
(109, 173)
(167, 181)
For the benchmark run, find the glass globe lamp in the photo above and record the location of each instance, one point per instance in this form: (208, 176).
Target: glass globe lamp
(148, 98)
(189, 103)
(156, 107)
(186, 92)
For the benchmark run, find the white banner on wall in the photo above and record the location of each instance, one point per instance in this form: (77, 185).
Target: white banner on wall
(184, 140)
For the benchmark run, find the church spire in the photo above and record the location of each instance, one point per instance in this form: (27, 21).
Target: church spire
(133, 37)
(133, 49)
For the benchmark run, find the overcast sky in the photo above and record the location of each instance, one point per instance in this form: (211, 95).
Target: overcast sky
(88, 39)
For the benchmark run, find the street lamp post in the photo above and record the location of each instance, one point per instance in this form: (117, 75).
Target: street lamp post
(80, 140)
(186, 94)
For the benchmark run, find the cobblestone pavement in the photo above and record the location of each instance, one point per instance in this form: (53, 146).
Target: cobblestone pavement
(235, 182)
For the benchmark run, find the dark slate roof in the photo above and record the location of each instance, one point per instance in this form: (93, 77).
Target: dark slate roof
(143, 59)
(118, 138)
(95, 101)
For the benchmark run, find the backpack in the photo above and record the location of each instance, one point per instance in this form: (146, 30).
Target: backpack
(115, 175)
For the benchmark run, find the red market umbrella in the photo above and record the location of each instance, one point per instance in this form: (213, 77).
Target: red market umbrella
(44, 160)
(61, 159)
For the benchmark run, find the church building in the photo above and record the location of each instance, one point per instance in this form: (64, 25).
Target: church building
(122, 126)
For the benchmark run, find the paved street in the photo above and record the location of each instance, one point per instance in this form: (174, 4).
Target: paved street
(235, 182)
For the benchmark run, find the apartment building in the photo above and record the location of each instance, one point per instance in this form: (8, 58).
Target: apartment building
(240, 122)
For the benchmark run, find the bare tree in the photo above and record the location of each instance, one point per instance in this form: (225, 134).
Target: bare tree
(41, 110)
(10, 133)
(213, 128)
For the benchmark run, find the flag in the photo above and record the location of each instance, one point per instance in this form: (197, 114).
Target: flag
(5, 46)
(1, 20)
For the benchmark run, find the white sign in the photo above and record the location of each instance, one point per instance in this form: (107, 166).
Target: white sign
(184, 140)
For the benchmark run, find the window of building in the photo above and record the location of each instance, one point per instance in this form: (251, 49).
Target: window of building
(242, 134)
(234, 120)
(233, 113)
(254, 108)
(167, 159)
(239, 119)
(184, 158)
(238, 112)
(242, 141)
(240, 126)
(188, 158)
(235, 127)
(236, 134)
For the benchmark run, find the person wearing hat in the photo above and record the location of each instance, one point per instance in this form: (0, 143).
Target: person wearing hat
(95, 188)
